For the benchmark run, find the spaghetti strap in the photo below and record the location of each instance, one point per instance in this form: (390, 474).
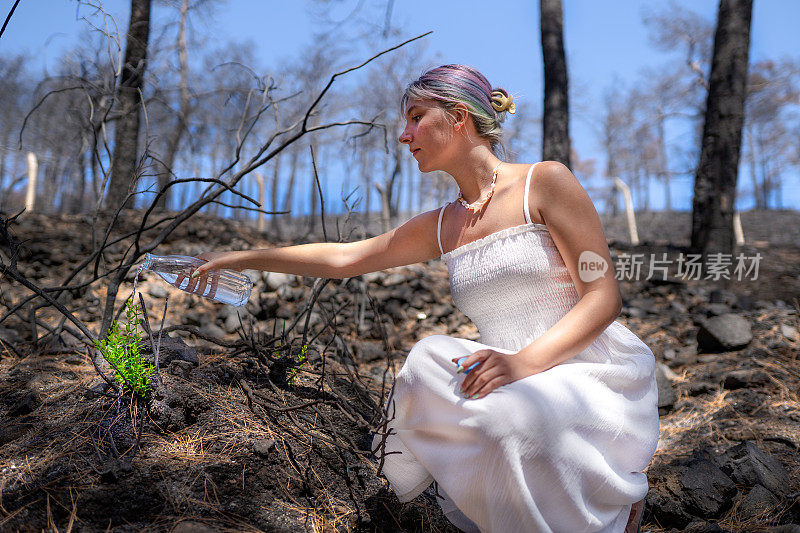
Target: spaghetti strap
(439, 229)
(527, 189)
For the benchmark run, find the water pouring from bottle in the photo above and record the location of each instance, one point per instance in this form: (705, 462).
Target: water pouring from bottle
(226, 286)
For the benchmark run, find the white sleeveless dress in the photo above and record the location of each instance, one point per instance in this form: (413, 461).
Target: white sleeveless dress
(560, 451)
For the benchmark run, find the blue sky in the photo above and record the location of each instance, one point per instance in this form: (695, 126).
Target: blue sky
(605, 41)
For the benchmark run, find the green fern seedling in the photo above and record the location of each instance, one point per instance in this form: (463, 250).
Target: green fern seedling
(302, 360)
(122, 350)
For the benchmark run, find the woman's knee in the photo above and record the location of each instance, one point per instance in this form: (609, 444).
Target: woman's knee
(430, 350)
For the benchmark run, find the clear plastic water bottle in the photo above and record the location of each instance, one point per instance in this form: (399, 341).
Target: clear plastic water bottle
(226, 286)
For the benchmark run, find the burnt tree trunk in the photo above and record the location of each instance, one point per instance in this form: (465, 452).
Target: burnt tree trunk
(124, 167)
(555, 120)
(714, 200)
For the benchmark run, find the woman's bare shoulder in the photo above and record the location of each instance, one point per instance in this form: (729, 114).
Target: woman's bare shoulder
(552, 172)
(553, 187)
(543, 171)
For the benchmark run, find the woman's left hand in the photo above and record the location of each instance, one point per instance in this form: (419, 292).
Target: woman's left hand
(494, 370)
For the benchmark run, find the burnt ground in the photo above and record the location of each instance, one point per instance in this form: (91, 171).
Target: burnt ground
(240, 437)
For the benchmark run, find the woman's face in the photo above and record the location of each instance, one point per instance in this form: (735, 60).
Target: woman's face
(428, 134)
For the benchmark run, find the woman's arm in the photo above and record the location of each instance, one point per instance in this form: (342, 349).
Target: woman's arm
(578, 233)
(576, 229)
(412, 242)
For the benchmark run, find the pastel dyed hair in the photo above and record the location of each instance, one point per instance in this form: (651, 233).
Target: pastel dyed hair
(449, 85)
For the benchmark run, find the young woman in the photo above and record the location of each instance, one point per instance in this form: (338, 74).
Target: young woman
(550, 420)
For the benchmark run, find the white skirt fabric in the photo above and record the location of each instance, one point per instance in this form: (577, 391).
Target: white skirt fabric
(559, 451)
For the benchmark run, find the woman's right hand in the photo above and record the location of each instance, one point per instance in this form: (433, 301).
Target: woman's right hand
(217, 261)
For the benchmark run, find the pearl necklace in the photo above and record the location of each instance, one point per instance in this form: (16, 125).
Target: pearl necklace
(478, 204)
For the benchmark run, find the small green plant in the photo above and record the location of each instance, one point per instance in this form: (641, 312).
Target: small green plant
(302, 359)
(121, 349)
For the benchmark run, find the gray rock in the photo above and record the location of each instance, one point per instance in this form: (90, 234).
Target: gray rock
(263, 446)
(157, 290)
(668, 373)
(232, 322)
(285, 311)
(167, 418)
(687, 489)
(790, 332)
(212, 329)
(275, 280)
(314, 319)
(417, 301)
(737, 379)
(440, 310)
(724, 333)
(404, 293)
(745, 303)
(172, 349)
(707, 489)
(678, 307)
(365, 351)
(192, 317)
(395, 309)
(686, 355)
(394, 279)
(696, 388)
(758, 502)
(748, 465)
(181, 368)
(252, 307)
(9, 335)
(373, 277)
(722, 296)
(717, 309)
(96, 390)
(701, 526)
(645, 304)
(285, 293)
(634, 312)
(667, 509)
(666, 393)
(264, 307)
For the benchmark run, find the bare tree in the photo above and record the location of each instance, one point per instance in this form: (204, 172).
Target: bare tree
(179, 127)
(611, 135)
(522, 133)
(555, 117)
(769, 141)
(125, 164)
(715, 182)
(13, 82)
(677, 91)
(676, 27)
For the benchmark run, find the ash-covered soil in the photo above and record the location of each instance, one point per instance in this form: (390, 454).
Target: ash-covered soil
(245, 432)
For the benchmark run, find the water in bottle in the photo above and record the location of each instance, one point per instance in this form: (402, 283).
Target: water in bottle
(226, 286)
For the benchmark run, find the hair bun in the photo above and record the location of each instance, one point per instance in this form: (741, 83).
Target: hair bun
(502, 101)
